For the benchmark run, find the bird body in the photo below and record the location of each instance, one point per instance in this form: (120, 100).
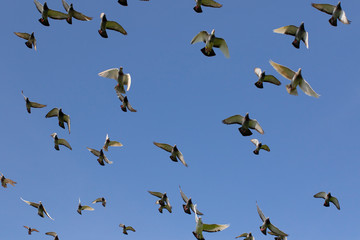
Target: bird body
(175, 153)
(81, 208)
(202, 227)
(259, 146)
(164, 201)
(211, 41)
(31, 40)
(5, 181)
(101, 156)
(268, 225)
(126, 228)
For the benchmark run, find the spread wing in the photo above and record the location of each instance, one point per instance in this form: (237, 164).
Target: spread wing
(66, 5)
(258, 71)
(156, 194)
(265, 147)
(22, 35)
(262, 216)
(115, 26)
(284, 71)
(35, 205)
(214, 227)
(93, 151)
(305, 86)
(164, 146)
(181, 158)
(80, 16)
(130, 107)
(242, 235)
(67, 120)
(46, 213)
(276, 231)
(255, 125)
(335, 202)
(255, 141)
(233, 119)
(272, 79)
(37, 105)
(130, 228)
(97, 200)
(326, 8)
(200, 37)
(306, 39)
(63, 142)
(127, 81)
(9, 181)
(112, 73)
(183, 196)
(54, 234)
(320, 195)
(57, 15)
(87, 208)
(115, 144)
(211, 3)
(53, 113)
(288, 30)
(39, 6)
(107, 160)
(343, 18)
(220, 43)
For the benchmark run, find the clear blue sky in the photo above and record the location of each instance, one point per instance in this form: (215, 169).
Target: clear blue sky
(181, 97)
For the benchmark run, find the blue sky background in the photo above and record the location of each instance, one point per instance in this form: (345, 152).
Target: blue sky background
(181, 97)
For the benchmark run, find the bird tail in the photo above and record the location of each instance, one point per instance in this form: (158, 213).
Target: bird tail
(103, 33)
(198, 9)
(123, 107)
(333, 21)
(69, 20)
(259, 84)
(290, 90)
(44, 22)
(28, 44)
(208, 54)
(296, 43)
(186, 209)
(245, 132)
(256, 152)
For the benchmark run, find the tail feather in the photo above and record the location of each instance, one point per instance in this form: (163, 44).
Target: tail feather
(44, 22)
(259, 84)
(333, 21)
(28, 44)
(256, 152)
(198, 9)
(208, 54)
(69, 20)
(290, 90)
(245, 132)
(296, 43)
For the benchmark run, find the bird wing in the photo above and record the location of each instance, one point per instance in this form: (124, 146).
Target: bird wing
(130, 228)
(130, 107)
(26, 227)
(66, 5)
(115, 26)
(53, 113)
(211, 3)
(67, 120)
(118, 93)
(54, 234)
(93, 151)
(255, 141)
(39, 6)
(276, 231)
(255, 125)
(97, 200)
(258, 71)
(214, 227)
(22, 35)
(34, 230)
(46, 213)
(65, 143)
(56, 15)
(220, 43)
(200, 37)
(265, 147)
(164, 146)
(107, 160)
(242, 235)
(35, 205)
(181, 158)
(87, 208)
(262, 216)
(156, 194)
(233, 119)
(272, 79)
(305, 86)
(183, 196)
(335, 202)
(80, 16)
(37, 105)
(112, 73)
(320, 195)
(288, 30)
(326, 8)
(115, 144)
(127, 81)
(284, 71)
(9, 181)
(343, 18)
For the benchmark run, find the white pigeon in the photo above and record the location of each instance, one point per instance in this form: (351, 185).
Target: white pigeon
(121, 78)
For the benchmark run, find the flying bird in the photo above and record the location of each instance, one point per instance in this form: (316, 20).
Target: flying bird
(336, 12)
(5, 181)
(126, 228)
(31, 40)
(189, 204)
(259, 146)
(211, 41)
(125, 102)
(175, 153)
(111, 25)
(124, 2)
(109, 143)
(39, 206)
(81, 208)
(74, 14)
(30, 105)
(60, 141)
(163, 201)
(30, 230)
(46, 12)
(101, 156)
(206, 3)
(202, 227)
(328, 198)
(298, 32)
(54, 234)
(101, 199)
(62, 117)
(268, 225)
(246, 236)
(296, 80)
(265, 78)
(246, 123)
(121, 78)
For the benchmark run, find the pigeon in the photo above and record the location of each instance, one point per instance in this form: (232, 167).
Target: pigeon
(277, 237)
(39, 206)
(109, 143)
(5, 181)
(101, 156)
(259, 146)
(62, 117)
(298, 32)
(81, 208)
(267, 224)
(200, 227)
(336, 12)
(30, 230)
(102, 200)
(175, 153)
(328, 198)
(126, 228)
(125, 102)
(29, 37)
(72, 13)
(46, 12)
(54, 234)
(163, 201)
(296, 79)
(246, 123)
(105, 24)
(211, 41)
(119, 76)
(189, 205)
(60, 141)
(124, 2)
(205, 3)
(265, 78)
(30, 105)
(247, 236)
